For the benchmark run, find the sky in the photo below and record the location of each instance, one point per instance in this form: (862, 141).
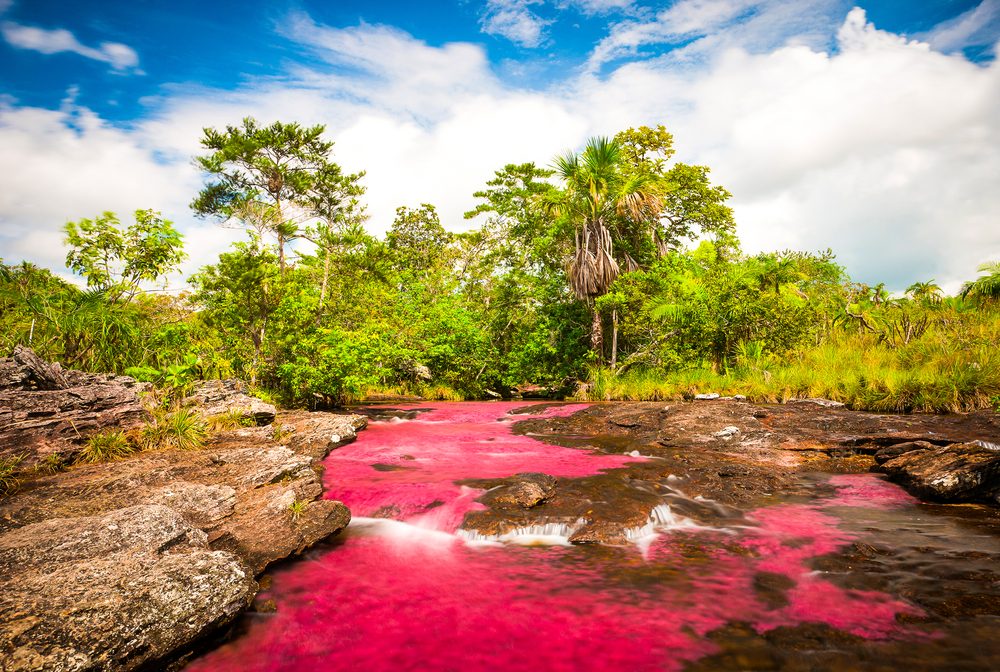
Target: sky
(871, 129)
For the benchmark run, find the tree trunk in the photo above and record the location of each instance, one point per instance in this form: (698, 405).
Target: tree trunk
(597, 336)
(326, 279)
(614, 339)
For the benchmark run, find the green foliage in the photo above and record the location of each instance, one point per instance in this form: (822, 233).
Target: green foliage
(9, 481)
(106, 447)
(183, 429)
(231, 419)
(117, 261)
(297, 508)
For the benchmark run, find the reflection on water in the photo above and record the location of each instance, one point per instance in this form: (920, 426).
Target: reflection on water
(848, 573)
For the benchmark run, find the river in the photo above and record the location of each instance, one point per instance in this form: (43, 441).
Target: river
(844, 571)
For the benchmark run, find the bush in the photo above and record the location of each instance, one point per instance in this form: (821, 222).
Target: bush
(106, 447)
(184, 429)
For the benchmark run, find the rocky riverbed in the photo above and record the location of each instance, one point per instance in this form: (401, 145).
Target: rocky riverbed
(738, 455)
(129, 564)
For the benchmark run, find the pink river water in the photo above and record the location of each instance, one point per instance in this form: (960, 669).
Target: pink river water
(412, 595)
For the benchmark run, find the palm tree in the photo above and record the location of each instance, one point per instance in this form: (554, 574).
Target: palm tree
(598, 190)
(985, 288)
(926, 292)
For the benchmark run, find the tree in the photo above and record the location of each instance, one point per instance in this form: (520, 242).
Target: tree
(240, 295)
(116, 261)
(929, 292)
(259, 172)
(417, 237)
(986, 288)
(597, 191)
(333, 198)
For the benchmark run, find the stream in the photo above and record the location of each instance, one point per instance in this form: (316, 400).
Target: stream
(842, 572)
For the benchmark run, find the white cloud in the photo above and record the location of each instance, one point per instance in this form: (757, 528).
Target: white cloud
(514, 20)
(594, 7)
(706, 27)
(975, 27)
(879, 147)
(121, 57)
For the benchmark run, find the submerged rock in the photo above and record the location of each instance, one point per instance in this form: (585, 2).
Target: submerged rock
(957, 473)
(523, 491)
(133, 585)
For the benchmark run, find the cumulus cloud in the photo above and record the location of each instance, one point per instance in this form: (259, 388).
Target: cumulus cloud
(119, 56)
(71, 164)
(875, 145)
(514, 20)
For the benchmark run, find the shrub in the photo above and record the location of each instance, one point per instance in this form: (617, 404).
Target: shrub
(106, 447)
(8, 469)
(183, 429)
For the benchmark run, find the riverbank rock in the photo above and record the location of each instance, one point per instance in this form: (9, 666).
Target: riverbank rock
(125, 564)
(48, 411)
(961, 472)
(133, 585)
(216, 397)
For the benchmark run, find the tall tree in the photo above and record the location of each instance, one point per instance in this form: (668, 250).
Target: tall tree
(334, 199)
(597, 192)
(259, 172)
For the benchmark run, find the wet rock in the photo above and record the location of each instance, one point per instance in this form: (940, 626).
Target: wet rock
(45, 410)
(522, 491)
(216, 397)
(134, 585)
(956, 473)
(887, 453)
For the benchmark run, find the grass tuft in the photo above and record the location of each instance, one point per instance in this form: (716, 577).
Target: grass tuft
(106, 447)
(184, 429)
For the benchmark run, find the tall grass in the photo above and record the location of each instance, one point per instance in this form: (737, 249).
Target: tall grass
(951, 369)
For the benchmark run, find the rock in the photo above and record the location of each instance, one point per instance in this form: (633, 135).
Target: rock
(727, 432)
(887, 453)
(27, 371)
(135, 585)
(958, 473)
(201, 505)
(45, 410)
(316, 434)
(216, 397)
(826, 403)
(707, 396)
(522, 491)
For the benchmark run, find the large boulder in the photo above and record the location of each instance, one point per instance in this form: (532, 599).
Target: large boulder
(45, 410)
(958, 473)
(217, 397)
(134, 585)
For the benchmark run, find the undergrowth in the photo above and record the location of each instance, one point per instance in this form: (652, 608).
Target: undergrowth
(948, 370)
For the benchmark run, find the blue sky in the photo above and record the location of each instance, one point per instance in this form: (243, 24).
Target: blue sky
(870, 129)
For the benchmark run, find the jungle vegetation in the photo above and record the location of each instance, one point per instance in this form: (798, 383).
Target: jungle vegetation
(613, 273)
